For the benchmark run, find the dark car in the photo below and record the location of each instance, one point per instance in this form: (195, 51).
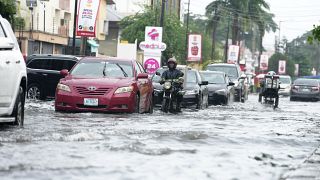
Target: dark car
(44, 74)
(195, 88)
(234, 72)
(305, 89)
(221, 89)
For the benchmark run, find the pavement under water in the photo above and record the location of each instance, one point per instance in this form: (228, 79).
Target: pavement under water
(240, 141)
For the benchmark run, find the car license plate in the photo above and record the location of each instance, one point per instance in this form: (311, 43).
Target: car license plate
(90, 102)
(305, 90)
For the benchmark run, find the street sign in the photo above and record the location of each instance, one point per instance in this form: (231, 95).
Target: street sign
(233, 54)
(86, 21)
(282, 67)
(152, 64)
(264, 62)
(194, 47)
(31, 3)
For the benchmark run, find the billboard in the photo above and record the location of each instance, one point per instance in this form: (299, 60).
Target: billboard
(87, 16)
(264, 62)
(282, 67)
(194, 47)
(233, 54)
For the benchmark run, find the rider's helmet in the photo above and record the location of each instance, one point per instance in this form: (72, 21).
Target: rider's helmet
(271, 73)
(172, 63)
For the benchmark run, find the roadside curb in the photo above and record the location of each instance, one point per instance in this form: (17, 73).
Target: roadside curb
(309, 169)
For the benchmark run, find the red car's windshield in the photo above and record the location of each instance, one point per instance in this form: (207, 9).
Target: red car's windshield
(98, 69)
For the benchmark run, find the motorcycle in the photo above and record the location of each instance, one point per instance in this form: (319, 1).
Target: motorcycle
(269, 90)
(172, 90)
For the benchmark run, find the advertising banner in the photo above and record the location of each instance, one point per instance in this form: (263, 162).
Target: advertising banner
(282, 67)
(233, 54)
(296, 69)
(87, 16)
(264, 62)
(152, 47)
(194, 47)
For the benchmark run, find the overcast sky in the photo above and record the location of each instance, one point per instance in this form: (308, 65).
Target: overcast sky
(297, 16)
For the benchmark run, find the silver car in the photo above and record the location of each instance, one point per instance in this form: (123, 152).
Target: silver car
(305, 89)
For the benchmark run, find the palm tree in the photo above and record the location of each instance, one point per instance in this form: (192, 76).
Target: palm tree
(214, 12)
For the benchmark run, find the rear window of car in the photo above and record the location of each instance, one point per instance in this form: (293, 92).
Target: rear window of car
(229, 70)
(58, 64)
(157, 78)
(44, 64)
(285, 80)
(307, 82)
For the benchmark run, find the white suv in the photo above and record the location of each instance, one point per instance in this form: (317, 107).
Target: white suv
(13, 76)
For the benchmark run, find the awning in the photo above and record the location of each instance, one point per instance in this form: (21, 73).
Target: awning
(93, 43)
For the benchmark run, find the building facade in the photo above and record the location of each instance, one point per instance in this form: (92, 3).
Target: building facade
(49, 25)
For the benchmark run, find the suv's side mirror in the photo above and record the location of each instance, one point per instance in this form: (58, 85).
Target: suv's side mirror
(143, 76)
(64, 72)
(204, 83)
(5, 43)
(231, 84)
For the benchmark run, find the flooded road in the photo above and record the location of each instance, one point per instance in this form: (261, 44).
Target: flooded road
(240, 141)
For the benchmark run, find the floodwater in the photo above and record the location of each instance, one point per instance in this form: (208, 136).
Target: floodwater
(239, 141)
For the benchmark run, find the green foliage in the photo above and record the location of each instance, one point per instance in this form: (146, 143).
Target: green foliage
(19, 23)
(8, 9)
(315, 36)
(174, 34)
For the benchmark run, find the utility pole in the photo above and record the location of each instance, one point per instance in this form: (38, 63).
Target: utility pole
(74, 27)
(187, 33)
(162, 12)
(227, 41)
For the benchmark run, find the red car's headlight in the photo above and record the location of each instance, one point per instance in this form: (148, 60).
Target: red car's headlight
(63, 87)
(124, 90)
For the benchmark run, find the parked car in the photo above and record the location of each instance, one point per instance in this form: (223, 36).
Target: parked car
(158, 88)
(285, 85)
(44, 74)
(220, 87)
(234, 72)
(196, 90)
(105, 85)
(305, 89)
(13, 76)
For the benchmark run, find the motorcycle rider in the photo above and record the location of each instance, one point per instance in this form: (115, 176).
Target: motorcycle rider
(176, 75)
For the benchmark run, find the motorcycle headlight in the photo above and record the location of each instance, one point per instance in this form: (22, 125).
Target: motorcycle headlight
(124, 90)
(167, 85)
(63, 87)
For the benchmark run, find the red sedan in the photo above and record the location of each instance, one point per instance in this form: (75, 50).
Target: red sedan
(105, 85)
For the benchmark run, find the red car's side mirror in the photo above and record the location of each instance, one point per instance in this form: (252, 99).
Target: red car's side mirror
(143, 76)
(64, 72)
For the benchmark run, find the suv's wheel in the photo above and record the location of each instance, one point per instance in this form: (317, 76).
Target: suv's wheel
(34, 92)
(18, 112)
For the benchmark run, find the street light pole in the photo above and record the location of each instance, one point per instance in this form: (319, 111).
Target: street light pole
(187, 33)
(74, 27)
(162, 12)
(227, 41)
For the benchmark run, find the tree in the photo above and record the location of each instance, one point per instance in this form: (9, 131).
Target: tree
(315, 34)
(8, 9)
(173, 32)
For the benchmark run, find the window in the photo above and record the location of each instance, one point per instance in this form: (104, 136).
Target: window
(40, 64)
(191, 77)
(138, 69)
(2, 33)
(58, 65)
